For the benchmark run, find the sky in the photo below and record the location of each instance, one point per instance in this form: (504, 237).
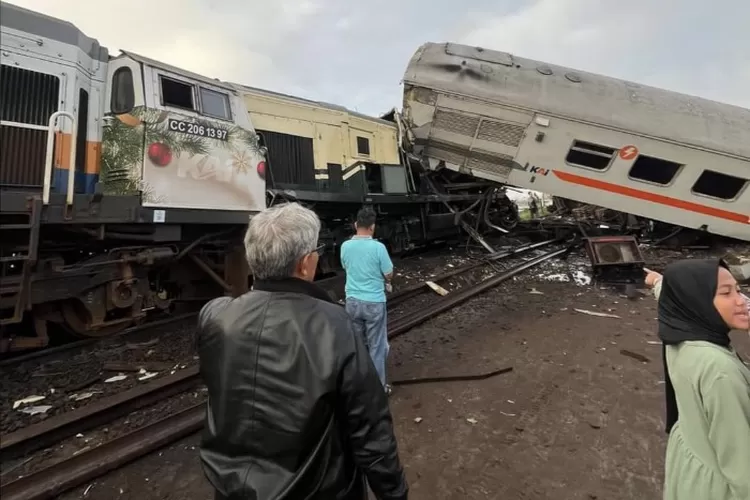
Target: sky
(354, 53)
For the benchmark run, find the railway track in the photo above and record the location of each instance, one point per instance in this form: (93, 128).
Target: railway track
(13, 358)
(73, 471)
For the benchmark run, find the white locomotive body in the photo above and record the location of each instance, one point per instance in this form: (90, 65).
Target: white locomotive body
(598, 140)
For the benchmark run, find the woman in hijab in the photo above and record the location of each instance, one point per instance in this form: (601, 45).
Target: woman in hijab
(707, 384)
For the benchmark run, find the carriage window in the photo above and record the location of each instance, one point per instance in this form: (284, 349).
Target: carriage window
(215, 104)
(586, 154)
(646, 168)
(176, 93)
(718, 185)
(363, 146)
(123, 92)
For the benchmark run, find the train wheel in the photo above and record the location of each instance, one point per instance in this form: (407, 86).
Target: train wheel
(84, 321)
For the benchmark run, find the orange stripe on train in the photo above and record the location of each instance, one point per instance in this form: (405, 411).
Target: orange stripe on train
(61, 158)
(652, 197)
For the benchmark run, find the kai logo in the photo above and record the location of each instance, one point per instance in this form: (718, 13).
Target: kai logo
(532, 169)
(538, 170)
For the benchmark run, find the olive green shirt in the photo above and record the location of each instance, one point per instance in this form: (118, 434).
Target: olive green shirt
(708, 451)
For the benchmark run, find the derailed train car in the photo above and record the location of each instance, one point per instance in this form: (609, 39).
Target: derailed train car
(639, 150)
(334, 159)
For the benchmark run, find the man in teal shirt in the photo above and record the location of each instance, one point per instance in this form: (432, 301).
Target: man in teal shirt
(368, 275)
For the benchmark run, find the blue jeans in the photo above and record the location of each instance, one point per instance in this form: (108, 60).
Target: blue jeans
(370, 320)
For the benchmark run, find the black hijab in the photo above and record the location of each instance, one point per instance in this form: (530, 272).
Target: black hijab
(687, 312)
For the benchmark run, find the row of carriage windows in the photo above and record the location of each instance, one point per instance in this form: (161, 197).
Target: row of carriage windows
(656, 170)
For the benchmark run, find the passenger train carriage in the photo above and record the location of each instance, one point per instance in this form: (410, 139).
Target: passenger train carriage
(598, 140)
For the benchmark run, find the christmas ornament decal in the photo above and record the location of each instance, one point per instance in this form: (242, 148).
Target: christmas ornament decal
(262, 169)
(160, 154)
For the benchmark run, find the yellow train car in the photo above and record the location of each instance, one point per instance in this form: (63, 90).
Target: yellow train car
(325, 146)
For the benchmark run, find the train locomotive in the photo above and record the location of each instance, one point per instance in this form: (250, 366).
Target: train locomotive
(127, 183)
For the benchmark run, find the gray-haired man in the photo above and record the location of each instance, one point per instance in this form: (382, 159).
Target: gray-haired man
(296, 408)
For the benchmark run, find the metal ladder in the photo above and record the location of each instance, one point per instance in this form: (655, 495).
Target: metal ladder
(19, 289)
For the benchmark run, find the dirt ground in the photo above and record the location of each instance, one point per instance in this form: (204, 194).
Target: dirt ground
(575, 419)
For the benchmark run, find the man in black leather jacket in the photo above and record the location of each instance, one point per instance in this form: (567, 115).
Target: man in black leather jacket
(296, 409)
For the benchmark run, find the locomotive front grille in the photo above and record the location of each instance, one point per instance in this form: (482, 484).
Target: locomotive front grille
(27, 100)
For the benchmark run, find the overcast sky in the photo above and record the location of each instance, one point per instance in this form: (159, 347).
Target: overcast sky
(354, 53)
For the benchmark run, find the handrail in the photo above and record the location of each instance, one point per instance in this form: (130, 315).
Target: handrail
(50, 152)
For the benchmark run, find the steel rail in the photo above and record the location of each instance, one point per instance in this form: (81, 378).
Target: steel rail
(419, 288)
(404, 324)
(52, 430)
(51, 351)
(72, 472)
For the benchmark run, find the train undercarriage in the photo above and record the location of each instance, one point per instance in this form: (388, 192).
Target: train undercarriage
(95, 280)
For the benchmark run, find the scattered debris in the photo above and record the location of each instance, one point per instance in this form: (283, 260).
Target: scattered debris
(437, 288)
(634, 355)
(82, 396)
(150, 366)
(36, 410)
(508, 414)
(581, 278)
(27, 400)
(597, 314)
(144, 375)
(116, 378)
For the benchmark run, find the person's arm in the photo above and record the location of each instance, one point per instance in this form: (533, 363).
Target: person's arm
(727, 405)
(342, 256)
(386, 266)
(369, 424)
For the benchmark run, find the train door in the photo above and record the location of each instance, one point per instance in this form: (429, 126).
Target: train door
(86, 95)
(200, 151)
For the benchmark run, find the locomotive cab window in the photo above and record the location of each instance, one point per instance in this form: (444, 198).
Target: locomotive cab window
(215, 104)
(176, 93)
(656, 170)
(718, 185)
(586, 154)
(123, 91)
(363, 146)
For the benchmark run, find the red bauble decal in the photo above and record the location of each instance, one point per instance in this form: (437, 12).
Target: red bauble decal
(262, 169)
(159, 154)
